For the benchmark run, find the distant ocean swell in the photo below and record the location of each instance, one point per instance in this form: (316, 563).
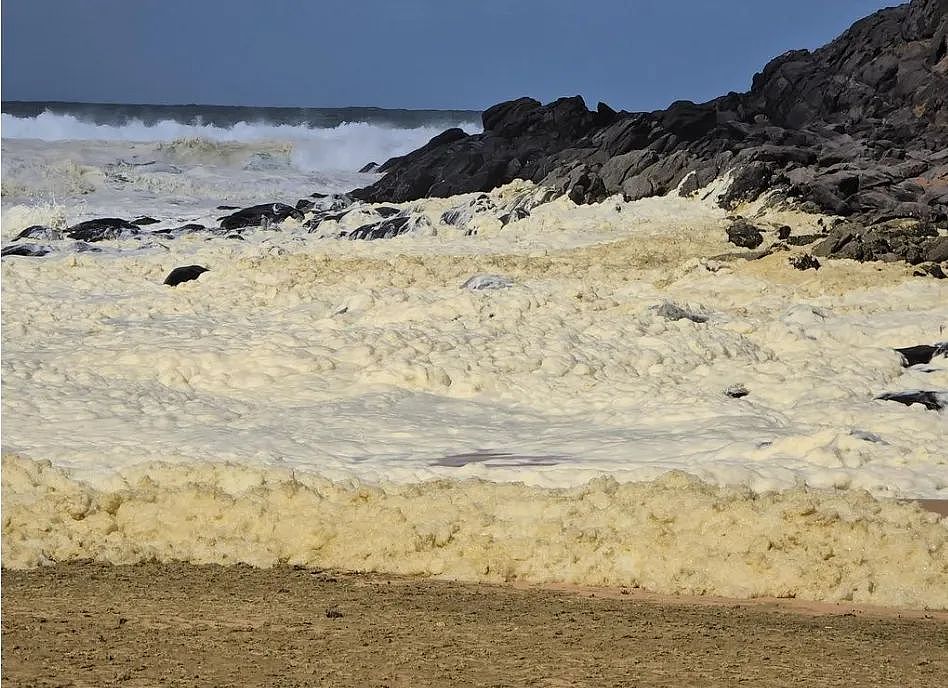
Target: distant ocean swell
(332, 145)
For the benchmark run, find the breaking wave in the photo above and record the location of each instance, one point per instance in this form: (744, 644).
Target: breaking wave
(346, 146)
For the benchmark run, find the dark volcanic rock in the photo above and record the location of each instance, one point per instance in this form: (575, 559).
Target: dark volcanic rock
(937, 250)
(39, 232)
(929, 270)
(370, 167)
(184, 274)
(933, 401)
(922, 353)
(736, 391)
(805, 262)
(886, 242)
(742, 233)
(519, 139)
(103, 229)
(258, 215)
(386, 229)
(32, 250)
(320, 217)
(749, 182)
(803, 239)
(144, 220)
(857, 128)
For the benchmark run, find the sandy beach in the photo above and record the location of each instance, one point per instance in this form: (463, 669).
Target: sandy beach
(175, 625)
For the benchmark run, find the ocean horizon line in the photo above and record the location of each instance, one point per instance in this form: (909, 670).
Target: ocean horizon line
(18, 102)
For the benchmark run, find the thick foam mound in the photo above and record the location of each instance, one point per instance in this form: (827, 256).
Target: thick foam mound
(673, 535)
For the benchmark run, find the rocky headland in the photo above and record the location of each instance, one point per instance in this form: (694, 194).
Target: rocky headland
(857, 129)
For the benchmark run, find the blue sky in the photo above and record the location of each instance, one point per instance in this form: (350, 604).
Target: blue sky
(633, 54)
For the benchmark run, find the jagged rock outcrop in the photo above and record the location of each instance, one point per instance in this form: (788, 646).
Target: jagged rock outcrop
(857, 128)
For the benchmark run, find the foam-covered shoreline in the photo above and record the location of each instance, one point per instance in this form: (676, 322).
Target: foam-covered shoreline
(675, 535)
(328, 402)
(366, 359)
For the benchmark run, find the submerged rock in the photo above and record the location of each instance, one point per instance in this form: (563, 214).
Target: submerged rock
(487, 281)
(189, 228)
(39, 250)
(670, 311)
(85, 247)
(184, 274)
(29, 250)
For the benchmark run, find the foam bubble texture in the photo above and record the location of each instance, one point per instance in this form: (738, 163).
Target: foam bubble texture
(673, 535)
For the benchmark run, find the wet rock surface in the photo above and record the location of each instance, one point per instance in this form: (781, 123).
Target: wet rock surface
(742, 233)
(805, 262)
(933, 401)
(185, 273)
(39, 232)
(260, 215)
(923, 353)
(103, 229)
(26, 250)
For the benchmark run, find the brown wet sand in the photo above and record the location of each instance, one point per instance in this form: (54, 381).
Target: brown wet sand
(184, 625)
(938, 506)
